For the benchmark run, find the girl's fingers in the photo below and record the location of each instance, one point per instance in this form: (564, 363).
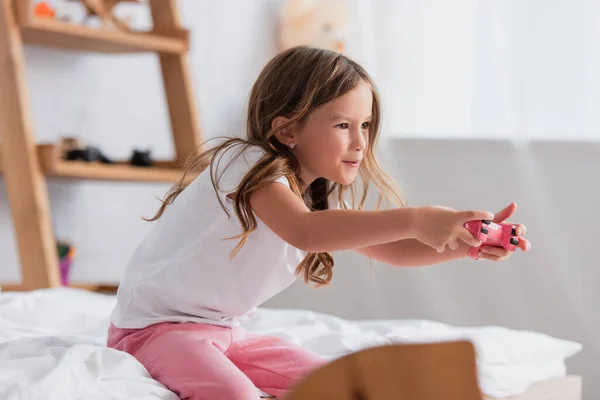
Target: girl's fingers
(501, 252)
(490, 257)
(466, 236)
(453, 244)
(494, 251)
(476, 215)
(524, 244)
(505, 213)
(521, 229)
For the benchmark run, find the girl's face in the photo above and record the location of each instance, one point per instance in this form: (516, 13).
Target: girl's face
(332, 142)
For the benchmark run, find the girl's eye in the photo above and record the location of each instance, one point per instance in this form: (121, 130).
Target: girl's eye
(343, 125)
(366, 125)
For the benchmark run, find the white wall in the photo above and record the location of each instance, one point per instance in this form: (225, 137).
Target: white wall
(551, 289)
(117, 104)
(486, 68)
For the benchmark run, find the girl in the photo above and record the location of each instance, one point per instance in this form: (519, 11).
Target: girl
(263, 211)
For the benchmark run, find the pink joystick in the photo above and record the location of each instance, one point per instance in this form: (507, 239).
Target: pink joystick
(492, 234)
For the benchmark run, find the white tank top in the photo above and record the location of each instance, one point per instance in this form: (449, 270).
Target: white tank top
(182, 271)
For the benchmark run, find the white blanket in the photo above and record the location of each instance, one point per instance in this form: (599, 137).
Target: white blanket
(52, 346)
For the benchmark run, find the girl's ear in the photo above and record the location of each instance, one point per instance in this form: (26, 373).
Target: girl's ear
(286, 135)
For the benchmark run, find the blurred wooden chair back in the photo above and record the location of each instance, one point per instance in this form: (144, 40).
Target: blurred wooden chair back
(437, 371)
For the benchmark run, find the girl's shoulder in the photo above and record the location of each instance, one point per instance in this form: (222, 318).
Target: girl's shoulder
(239, 156)
(235, 162)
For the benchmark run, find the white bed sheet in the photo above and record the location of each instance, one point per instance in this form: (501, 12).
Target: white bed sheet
(52, 346)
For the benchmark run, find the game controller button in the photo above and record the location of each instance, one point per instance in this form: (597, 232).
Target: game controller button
(486, 221)
(483, 230)
(514, 241)
(514, 231)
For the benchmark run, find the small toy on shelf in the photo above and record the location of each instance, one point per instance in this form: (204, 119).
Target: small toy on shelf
(68, 144)
(44, 10)
(73, 149)
(141, 158)
(66, 254)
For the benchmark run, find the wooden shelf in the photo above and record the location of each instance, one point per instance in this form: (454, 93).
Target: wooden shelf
(54, 166)
(65, 35)
(112, 172)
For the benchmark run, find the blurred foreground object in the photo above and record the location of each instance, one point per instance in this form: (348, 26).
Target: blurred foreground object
(318, 23)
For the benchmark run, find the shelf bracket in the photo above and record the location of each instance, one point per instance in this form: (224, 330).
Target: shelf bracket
(183, 113)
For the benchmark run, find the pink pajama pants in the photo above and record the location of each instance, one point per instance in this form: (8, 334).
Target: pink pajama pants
(198, 361)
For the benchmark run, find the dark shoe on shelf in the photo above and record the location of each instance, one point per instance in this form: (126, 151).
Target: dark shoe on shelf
(141, 158)
(87, 154)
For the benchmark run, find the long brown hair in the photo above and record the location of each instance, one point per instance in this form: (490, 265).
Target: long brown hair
(293, 84)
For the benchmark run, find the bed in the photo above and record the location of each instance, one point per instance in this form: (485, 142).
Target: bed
(52, 346)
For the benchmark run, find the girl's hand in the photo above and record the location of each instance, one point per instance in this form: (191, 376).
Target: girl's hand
(441, 227)
(500, 253)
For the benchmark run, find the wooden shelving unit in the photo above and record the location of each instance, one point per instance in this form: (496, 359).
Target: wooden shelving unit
(25, 165)
(53, 166)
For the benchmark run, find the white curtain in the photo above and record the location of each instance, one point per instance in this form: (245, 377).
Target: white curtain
(483, 68)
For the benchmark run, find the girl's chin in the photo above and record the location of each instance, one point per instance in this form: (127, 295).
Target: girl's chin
(346, 181)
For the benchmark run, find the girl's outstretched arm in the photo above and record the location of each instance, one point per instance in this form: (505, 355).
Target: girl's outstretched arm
(412, 253)
(332, 230)
(323, 231)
